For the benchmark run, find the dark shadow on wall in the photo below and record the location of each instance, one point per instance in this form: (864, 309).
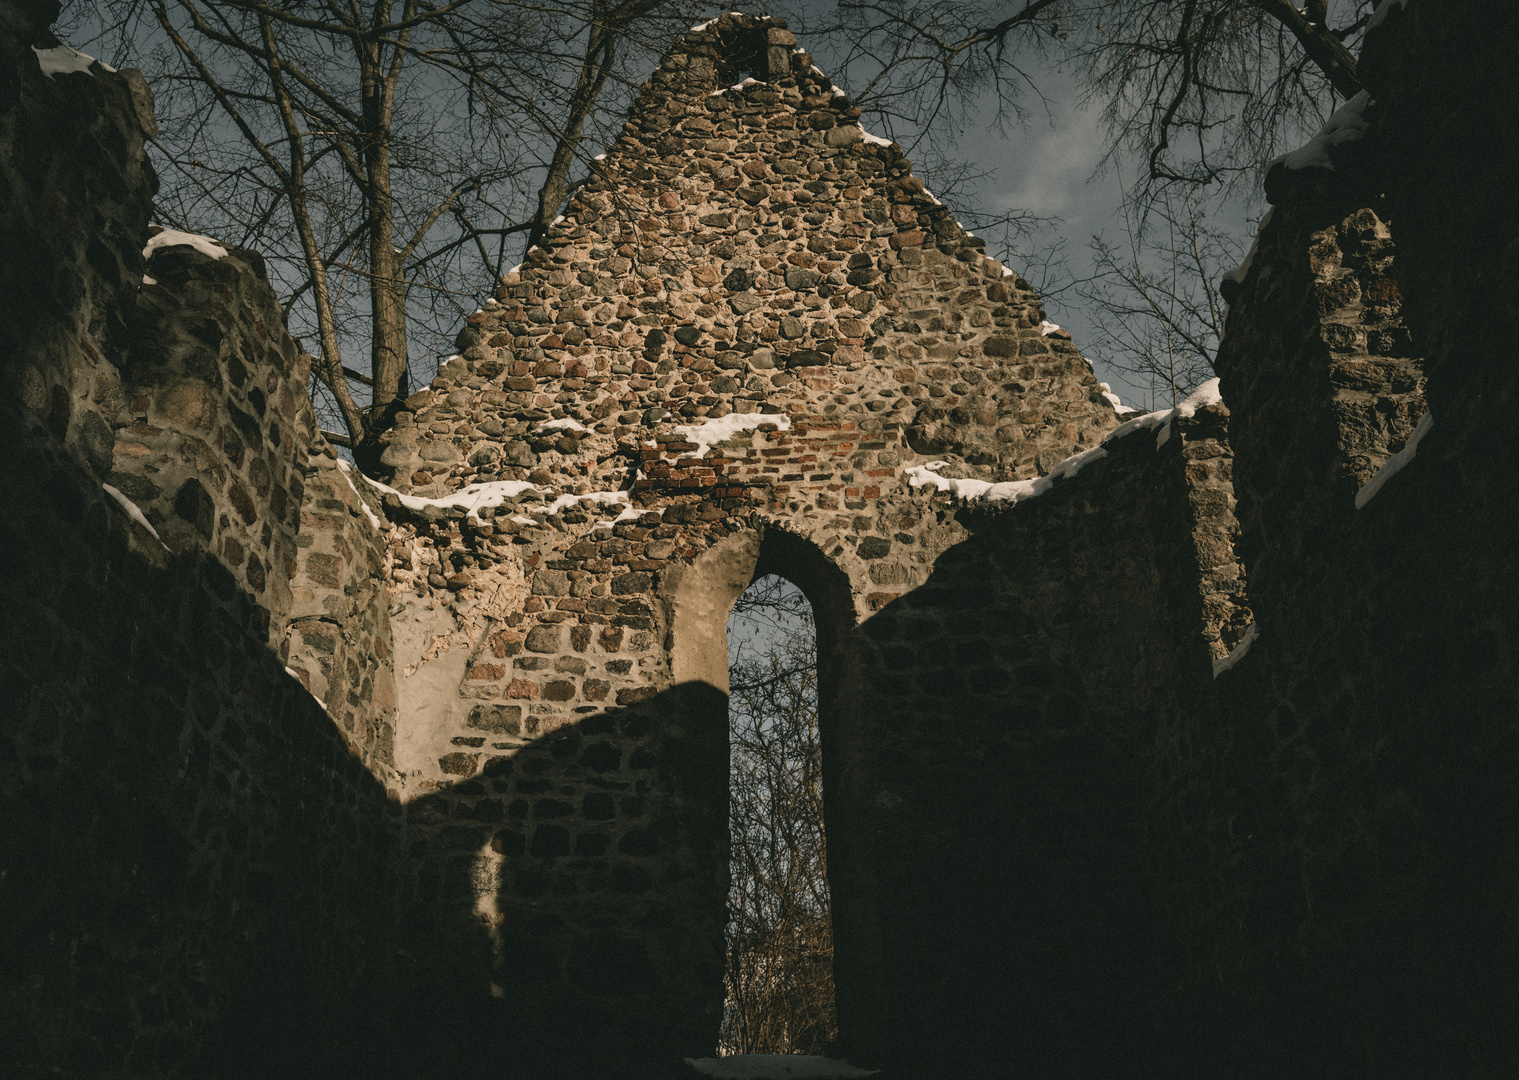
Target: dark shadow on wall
(576, 893)
(605, 843)
(192, 857)
(1011, 701)
(1083, 856)
(200, 877)
(205, 873)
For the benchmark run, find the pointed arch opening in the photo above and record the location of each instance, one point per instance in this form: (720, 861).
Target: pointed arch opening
(702, 601)
(778, 955)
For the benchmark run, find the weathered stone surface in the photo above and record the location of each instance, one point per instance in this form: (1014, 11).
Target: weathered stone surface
(1053, 821)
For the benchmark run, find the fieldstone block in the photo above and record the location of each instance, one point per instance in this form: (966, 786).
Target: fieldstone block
(551, 583)
(459, 763)
(550, 841)
(497, 719)
(543, 639)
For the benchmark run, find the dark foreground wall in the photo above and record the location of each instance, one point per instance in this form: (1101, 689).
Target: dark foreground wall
(1016, 703)
(195, 863)
(1107, 861)
(1065, 839)
(196, 868)
(1354, 897)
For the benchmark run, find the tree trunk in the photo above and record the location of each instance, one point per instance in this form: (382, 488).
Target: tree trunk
(387, 282)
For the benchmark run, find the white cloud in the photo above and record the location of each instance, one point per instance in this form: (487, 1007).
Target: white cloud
(1046, 167)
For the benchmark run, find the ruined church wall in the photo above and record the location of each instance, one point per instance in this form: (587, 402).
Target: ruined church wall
(1062, 833)
(1016, 701)
(742, 256)
(198, 868)
(1352, 883)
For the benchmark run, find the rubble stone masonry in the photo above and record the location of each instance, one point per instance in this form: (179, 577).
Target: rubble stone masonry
(1163, 743)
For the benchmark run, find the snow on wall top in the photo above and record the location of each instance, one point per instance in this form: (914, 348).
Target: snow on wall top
(1016, 491)
(64, 61)
(1346, 125)
(174, 238)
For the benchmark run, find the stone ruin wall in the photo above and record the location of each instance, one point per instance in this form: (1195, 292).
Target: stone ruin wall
(510, 816)
(741, 251)
(1349, 824)
(190, 836)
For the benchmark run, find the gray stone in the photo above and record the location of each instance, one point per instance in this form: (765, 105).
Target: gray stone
(439, 450)
(497, 719)
(544, 639)
(798, 278)
(551, 583)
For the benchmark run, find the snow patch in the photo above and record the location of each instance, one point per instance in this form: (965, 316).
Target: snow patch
(1224, 663)
(1396, 462)
(1118, 406)
(564, 424)
(174, 238)
(1011, 492)
(1205, 395)
(374, 518)
(629, 513)
(1381, 13)
(1346, 125)
(737, 86)
(134, 513)
(1016, 491)
(594, 498)
(473, 499)
(1047, 328)
(1237, 275)
(777, 1067)
(709, 433)
(64, 60)
(873, 140)
(296, 675)
(699, 27)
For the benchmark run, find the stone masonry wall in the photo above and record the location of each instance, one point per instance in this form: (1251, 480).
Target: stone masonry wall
(198, 868)
(752, 319)
(424, 773)
(1346, 899)
(1018, 700)
(209, 440)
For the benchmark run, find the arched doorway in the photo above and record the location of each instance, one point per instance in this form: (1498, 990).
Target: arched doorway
(700, 606)
(778, 971)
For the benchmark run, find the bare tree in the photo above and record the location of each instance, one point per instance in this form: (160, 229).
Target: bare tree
(1158, 315)
(1205, 92)
(385, 155)
(1198, 90)
(780, 939)
(1197, 97)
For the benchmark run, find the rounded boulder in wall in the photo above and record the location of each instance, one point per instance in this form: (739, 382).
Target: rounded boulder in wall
(439, 450)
